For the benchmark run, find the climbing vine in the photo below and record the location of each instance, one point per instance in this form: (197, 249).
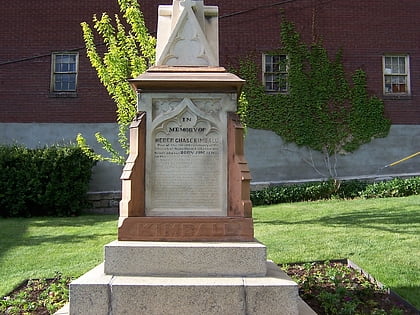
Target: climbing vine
(322, 109)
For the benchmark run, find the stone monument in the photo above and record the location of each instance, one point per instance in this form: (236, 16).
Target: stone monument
(185, 234)
(186, 177)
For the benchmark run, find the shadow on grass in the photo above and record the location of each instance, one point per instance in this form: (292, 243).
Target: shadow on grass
(13, 231)
(390, 219)
(409, 295)
(78, 221)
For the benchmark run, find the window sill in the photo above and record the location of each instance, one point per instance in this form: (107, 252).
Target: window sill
(62, 94)
(397, 97)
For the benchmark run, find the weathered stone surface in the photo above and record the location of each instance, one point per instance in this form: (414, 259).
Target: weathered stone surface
(186, 153)
(274, 293)
(89, 294)
(132, 201)
(185, 258)
(156, 295)
(276, 286)
(187, 34)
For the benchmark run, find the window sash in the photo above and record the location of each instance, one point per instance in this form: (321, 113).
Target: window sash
(275, 73)
(396, 74)
(64, 72)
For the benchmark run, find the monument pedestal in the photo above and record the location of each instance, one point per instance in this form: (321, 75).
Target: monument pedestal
(185, 278)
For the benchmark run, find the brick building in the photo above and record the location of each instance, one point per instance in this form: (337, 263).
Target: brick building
(49, 92)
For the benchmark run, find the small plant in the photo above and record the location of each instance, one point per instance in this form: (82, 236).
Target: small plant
(40, 296)
(333, 288)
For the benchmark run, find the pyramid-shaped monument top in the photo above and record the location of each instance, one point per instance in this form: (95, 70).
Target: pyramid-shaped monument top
(187, 34)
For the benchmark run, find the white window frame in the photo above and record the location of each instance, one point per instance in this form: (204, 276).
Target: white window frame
(394, 71)
(270, 73)
(72, 71)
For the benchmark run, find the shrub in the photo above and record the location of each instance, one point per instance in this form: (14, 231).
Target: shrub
(396, 187)
(350, 189)
(293, 193)
(48, 181)
(333, 189)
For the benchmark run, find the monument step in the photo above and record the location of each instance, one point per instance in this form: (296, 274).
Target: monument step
(96, 293)
(204, 259)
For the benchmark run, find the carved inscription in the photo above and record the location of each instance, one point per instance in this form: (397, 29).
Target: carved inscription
(188, 175)
(175, 230)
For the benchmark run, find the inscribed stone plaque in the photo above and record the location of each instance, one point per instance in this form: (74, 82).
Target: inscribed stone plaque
(186, 168)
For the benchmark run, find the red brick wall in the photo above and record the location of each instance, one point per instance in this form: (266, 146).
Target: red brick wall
(365, 30)
(38, 28)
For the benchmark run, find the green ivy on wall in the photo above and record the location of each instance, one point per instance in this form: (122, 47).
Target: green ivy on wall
(322, 110)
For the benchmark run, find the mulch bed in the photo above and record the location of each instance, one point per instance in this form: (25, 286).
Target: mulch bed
(340, 287)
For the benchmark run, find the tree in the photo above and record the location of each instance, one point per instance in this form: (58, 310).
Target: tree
(129, 52)
(322, 110)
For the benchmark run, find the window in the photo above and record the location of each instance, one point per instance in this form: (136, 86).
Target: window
(275, 73)
(396, 75)
(64, 72)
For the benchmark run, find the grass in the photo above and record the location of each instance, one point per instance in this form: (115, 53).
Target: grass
(379, 235)
(38, 247)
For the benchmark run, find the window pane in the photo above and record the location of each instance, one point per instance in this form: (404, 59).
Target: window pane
(282, 82)
(402, 88)
(402, 65)
(72, 86)
(65, 63)
(275, 59)
(64, 67)
(388, 62)
(282, 66)
(394, 65)
(402, 79)
(58, 58)
(65, 82)
(275, 74)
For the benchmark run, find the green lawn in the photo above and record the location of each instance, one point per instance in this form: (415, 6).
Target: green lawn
(38, 247)
(380, 235)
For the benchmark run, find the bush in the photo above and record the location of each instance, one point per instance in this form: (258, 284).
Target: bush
(350, 189)
(293, 193)
(49, 181)
(333, 189)
(396, 187)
